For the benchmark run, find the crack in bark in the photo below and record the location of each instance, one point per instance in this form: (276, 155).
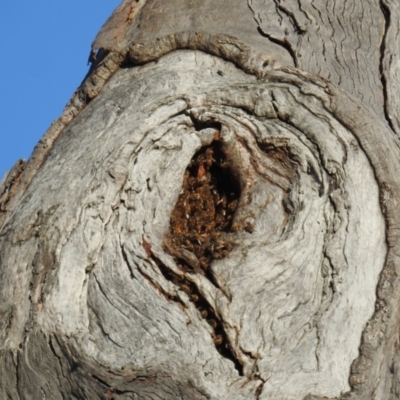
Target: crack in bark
(17, 378)
(283, 43)
(52, 349)
(165, 271)
(292, 18)
(200, 224)
(386, 14)
(219, 335)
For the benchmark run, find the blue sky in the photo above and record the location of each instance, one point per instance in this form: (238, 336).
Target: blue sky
(43, 59)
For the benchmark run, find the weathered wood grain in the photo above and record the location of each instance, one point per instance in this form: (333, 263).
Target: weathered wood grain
(337, 39)
(318, 240)
(97, 304)
(390, 62)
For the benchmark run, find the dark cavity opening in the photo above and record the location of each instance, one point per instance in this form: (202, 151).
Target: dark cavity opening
(205, 208)
(200, 228)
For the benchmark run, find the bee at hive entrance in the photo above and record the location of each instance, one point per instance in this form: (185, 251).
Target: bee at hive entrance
(203, 214)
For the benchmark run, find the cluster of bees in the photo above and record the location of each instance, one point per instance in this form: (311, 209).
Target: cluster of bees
(200, 224)
(203, 213)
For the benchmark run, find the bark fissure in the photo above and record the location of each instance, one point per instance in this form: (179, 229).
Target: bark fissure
(292, 18)
(171, 277)
(386, 14)
(52, 349)
(219, 336)
(199, 232)
(283, 43)
(17, 373)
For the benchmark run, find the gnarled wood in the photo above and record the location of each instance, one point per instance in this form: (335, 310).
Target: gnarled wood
(296, 297)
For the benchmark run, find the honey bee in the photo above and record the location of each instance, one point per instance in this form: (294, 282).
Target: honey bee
(232, 205)
(204, 264)
(189, 245)
(201, 171)
(209, 156)
(222, 201)
(194, 297)
(186, 289)
(212, 323)
(218, 339)
(249, 228)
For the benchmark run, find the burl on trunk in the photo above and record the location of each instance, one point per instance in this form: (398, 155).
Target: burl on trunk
(216, 213)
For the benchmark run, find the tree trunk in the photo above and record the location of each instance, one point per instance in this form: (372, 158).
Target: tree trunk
(216, 214)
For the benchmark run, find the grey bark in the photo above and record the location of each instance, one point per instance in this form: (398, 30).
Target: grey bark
(302, 97)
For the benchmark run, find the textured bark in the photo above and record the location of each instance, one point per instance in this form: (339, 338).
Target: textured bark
(294, 105)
